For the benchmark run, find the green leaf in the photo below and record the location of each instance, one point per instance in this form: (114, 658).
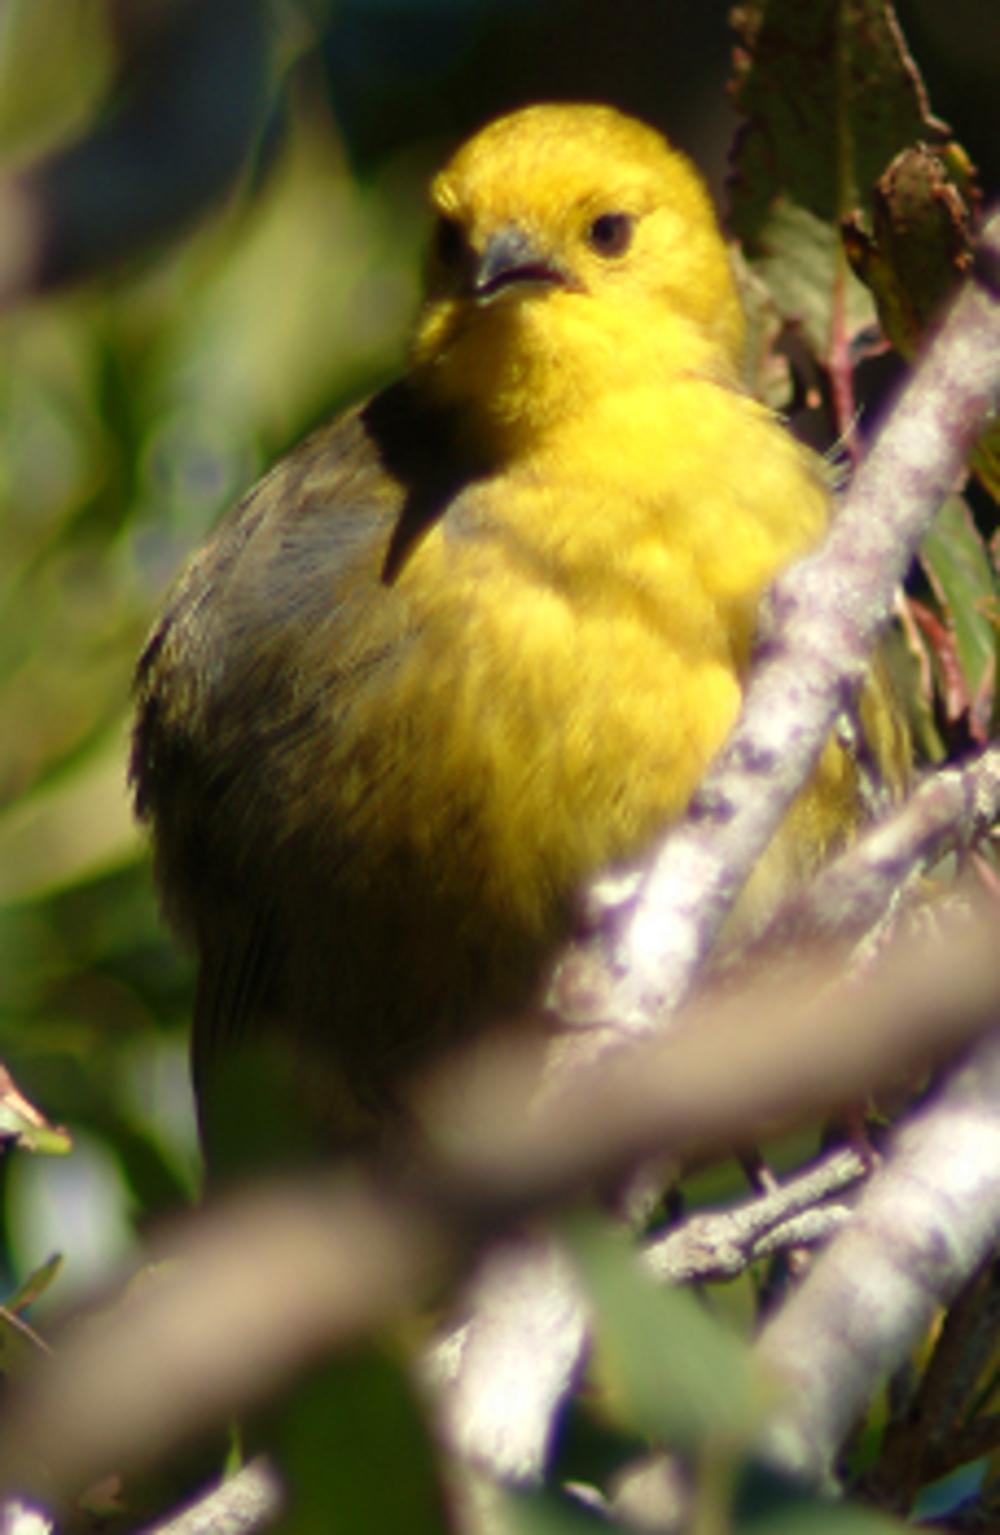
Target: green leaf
(46, 92)
(959, 569)
(356, 1455)
(20, 1345)
(678, 1375)
(830, 95)
(823, 1519)
(546, 1513)
(802, 264)
(920, 244)
(36, 1284)
(830, 98)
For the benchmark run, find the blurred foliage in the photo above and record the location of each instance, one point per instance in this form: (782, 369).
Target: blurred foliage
(356, 1407)
(131, 411)
(136, 406)
(46, 93)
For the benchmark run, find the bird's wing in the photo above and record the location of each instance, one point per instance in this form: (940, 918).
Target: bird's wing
(285, 613)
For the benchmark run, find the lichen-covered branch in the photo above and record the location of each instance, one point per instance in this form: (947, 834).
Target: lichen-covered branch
(923, 1226)
(720, 1244)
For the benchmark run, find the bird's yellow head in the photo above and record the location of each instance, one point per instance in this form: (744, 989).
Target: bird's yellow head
(575, 253)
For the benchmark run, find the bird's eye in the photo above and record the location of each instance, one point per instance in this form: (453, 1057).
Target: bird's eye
(449, 241)
(610, 234)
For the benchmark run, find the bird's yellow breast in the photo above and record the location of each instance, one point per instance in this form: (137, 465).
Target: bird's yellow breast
(577, 633)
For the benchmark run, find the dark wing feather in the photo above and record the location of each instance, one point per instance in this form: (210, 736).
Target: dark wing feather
(229, 714)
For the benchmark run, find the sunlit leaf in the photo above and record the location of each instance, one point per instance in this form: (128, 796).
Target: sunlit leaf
(959, 568)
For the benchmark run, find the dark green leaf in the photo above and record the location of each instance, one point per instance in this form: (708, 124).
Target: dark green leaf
(546, 1513)
(830, 94)
(678, 1374)
(823, 1519)
(356, 1454)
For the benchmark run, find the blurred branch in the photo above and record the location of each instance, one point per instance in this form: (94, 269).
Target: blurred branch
(497, 1379)
(789, 1042)
(176, 136)
(826, 614)
(263, 1286)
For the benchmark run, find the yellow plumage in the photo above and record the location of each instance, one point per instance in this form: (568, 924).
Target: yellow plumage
(479, 638)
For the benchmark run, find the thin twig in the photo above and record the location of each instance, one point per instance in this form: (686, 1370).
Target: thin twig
(720, 1244)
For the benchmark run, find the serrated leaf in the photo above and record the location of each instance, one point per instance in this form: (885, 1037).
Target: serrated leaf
(677, 1374)
(830, 96)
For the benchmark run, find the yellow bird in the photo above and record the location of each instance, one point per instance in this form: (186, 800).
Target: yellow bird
(478, 638)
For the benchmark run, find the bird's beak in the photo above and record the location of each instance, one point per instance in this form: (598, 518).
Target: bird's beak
(511, 258)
